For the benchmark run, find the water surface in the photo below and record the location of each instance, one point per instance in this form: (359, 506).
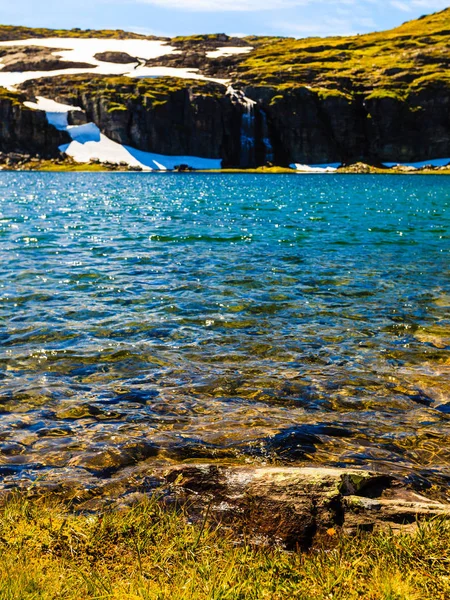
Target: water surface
(292, 319)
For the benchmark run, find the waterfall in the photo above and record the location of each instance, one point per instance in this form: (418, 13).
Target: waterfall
(248, 128)
(268, 148)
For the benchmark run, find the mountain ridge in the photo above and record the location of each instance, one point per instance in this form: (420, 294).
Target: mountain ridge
(377, 97)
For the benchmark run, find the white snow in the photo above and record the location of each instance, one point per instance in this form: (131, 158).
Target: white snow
(435, 162)
(143, 72)
(327, 168)
(83, 50)
(56, 112)
(50, 106)
(88, 143)
(229, 51)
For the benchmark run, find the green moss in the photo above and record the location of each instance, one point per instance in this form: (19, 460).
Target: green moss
(276, 99)
(120, 92)
(207, 37)
(325, 94)
(114, 107)
(380, 94)
(15, 98)
(440, 79)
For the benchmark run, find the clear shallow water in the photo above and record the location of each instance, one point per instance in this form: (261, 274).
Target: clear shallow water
(300, 319)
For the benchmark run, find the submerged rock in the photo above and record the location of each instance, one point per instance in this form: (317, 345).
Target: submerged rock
(108, 460)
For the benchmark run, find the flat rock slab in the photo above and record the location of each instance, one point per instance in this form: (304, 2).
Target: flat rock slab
(295, 506)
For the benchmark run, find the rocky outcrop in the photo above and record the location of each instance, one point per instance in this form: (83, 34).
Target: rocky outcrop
(296, 506)
(299, 125)
(165, 115)
(414, 129)
(193, 53)
(27, 131)
(33, 58)
(121, 58)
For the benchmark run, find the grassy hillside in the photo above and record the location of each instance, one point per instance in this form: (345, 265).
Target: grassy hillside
(413, 55)
(13, 32)
(407, 58)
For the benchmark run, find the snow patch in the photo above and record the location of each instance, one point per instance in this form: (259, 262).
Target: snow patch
(56, 112)
(88, 143)
(84, 50)
(434, 162)
(149, 72)
(326, 168)
(229, 51)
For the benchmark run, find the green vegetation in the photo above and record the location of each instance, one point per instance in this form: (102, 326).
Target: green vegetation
(325, 93)
(398, 61)
(67, 167)
(393, 63)
(200, 38)
(14, 97)
(381, 93)
(148, 552)
(12, 32)
(119, 92)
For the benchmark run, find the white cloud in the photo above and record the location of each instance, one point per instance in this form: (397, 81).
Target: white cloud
(273, 5)
(226, 5)
(430, 5)
(403, 6)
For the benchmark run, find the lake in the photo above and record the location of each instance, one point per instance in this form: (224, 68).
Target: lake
(293, 319)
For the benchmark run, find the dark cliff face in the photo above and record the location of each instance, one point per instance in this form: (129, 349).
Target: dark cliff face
(413, 130)
(308, 129)
(165, 115)
(27, 131)
(299, 125)
(185, 124)
(312, 128)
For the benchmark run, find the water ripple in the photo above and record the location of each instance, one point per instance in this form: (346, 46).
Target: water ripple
(275, 318)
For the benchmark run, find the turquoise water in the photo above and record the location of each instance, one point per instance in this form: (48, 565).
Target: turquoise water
(296, 319)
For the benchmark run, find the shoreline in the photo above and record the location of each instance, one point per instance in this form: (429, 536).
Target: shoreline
(199, 532)
(87, 168)
(24, 163)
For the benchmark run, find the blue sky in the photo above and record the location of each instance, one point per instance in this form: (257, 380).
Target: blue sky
(298, 18)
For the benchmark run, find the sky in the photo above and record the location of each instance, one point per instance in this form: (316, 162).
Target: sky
(296, 18)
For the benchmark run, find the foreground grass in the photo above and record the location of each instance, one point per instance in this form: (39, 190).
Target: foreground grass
(148, 552)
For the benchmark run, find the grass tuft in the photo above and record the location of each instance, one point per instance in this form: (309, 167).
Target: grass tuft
(152, 552)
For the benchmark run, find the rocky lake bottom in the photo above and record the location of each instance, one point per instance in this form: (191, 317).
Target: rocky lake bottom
(152, 319)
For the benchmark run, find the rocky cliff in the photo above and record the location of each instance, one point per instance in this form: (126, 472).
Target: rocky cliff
(382, 97)
(27, 131)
